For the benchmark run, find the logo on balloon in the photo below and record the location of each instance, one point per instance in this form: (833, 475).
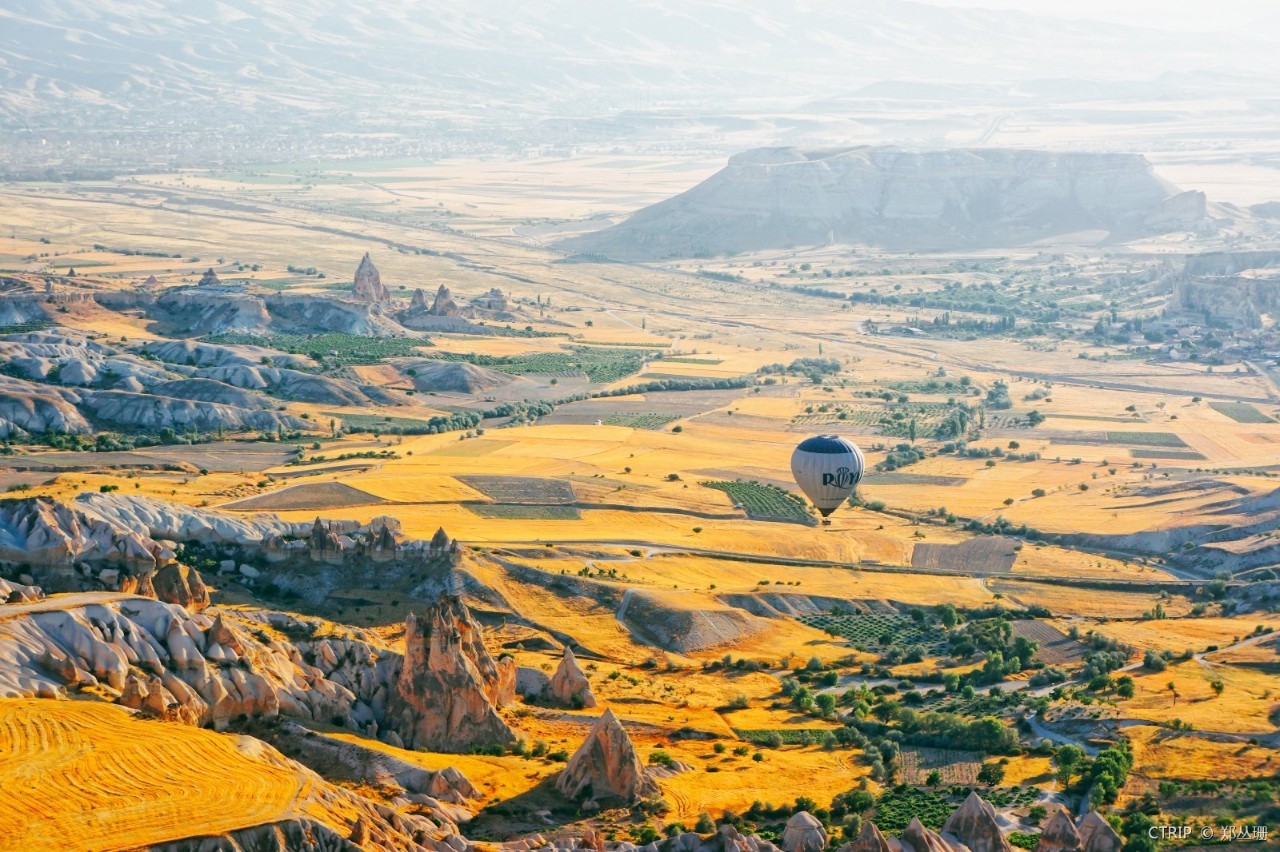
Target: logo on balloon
(842, 478)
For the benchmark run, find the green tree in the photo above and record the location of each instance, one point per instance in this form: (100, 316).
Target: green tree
(991, 774)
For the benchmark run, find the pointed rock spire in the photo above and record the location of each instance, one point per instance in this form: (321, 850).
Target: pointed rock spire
(921, 839)
(449, 684)
(569, 685)
(444, 305)
(869, 839)
(1097, 835)
(606, 765)
(210, 278)
(1058, 834)
(368, 285)
(974, 824)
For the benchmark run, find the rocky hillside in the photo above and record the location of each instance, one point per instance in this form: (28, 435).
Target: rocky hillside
(900, 198)
(61, 381)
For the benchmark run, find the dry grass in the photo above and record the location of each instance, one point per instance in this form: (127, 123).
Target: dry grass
(92, 776)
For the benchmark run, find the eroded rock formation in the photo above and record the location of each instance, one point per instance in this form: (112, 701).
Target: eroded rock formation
(1059, 834)
(450, 687)
(804, 833)
(368, 283)
(569, 685)
(606, 765)
(444, 305)
(974, 824)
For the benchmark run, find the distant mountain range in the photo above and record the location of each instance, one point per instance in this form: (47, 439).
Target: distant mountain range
(773, 198)
(184, 61)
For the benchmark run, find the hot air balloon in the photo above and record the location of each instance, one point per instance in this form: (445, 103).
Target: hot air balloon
(827, 468)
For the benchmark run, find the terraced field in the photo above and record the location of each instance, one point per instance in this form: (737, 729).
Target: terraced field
(135, 782)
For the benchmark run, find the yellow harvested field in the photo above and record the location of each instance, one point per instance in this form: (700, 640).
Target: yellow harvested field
(1160, 753)
(1181, 634)
(1065, 600)
(783, 776)
(1245, 706)
(92, 776)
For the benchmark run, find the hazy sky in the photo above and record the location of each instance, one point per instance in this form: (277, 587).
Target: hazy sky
(1180, 14)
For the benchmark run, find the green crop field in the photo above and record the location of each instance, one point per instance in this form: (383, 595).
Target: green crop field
(34, 325)
(1146, 439)
(1241, 412)
(517, 512)
(790, 736)
(871, 630)
(1188, 455)
(765, 502)
(597, 364)
(331, 347)
(896, 808)
(683, 359)
(639, 421)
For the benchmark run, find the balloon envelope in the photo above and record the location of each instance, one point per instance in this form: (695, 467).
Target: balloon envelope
(827, 468)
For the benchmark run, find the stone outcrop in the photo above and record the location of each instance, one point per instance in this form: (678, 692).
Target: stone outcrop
(569, 685)
(1240, 288)
(177, 584)
(444, 305)
(368, 283)
(869, 839)
(974, 824)
(494, 300)
(1097, 835)
(1059, 834)
(209, 279)
(163, 660)
(449, 688)
(803, 833)
(902, 199)
(606, 765)
(432, 376)
(16, 592)
(917, 838)
(418, 302)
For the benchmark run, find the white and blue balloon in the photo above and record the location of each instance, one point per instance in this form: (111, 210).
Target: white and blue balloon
(827, 468)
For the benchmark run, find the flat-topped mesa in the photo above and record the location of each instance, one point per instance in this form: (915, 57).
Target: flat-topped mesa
(975, 825)
(368, 286)
(903, 198)
(450, 687)
(606, 765)
(569, 685)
